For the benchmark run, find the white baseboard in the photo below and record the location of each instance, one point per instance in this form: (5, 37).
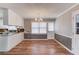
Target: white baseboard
(64, 47)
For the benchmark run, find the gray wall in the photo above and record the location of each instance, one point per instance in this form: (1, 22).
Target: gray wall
(27, 25)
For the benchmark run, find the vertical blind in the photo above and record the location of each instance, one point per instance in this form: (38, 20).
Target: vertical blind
(39, 27)
(42, 27)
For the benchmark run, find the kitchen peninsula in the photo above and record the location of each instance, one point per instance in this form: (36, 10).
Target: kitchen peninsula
(10, 40)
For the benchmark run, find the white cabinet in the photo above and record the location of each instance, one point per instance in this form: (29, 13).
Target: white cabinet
(11, 42)
(14, 40)
(8, 42)
(2, 45)
(3, 16)
(14, 18)
(20, 36)
(9, 17)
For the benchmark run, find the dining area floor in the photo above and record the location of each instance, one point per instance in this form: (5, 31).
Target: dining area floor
(37, 47)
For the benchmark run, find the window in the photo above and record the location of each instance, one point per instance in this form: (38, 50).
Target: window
(39, 27)
(43, 27)
(35, 27)
(50, 26)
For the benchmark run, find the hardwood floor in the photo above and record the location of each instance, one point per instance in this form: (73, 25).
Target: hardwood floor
(38, 47)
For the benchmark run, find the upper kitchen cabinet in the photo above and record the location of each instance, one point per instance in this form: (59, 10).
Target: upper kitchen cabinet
(14, 19)
(9, 17)
(3, 16)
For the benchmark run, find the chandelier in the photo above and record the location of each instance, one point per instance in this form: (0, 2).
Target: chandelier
(38, 19)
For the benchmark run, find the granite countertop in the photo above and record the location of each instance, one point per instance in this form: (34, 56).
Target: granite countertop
(9, 34)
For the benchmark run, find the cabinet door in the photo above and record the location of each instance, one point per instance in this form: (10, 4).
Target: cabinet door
(1, 20)
(1, 16)
(20, 36)
(11, 42)
(3, 43)
(14, 18)
(11, 17)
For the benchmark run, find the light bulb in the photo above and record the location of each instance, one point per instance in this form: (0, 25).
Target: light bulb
(35, 19)
(41, 19)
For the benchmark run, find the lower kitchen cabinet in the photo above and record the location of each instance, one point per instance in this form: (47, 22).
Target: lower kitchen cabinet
(8, 42)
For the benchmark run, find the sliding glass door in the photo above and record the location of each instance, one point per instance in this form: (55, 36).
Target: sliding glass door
(39, 27)
(43, 28)
(35, 27)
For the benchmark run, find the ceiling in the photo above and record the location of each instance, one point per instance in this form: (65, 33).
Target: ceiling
(32, 10)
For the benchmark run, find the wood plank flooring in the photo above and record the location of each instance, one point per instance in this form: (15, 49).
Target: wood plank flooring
(38, 47)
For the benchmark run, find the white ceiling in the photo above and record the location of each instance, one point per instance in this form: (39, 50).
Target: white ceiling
(31, 10)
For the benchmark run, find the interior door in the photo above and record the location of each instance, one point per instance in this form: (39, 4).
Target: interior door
(75, 32)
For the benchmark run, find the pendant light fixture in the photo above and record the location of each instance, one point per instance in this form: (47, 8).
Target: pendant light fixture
(38, 19)
(35, 19)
